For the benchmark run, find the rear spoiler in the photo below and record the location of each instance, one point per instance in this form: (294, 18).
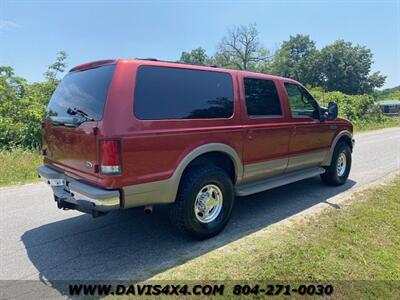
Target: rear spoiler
(93, 64)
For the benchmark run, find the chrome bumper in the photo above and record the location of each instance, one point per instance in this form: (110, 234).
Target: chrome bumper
(72, 194)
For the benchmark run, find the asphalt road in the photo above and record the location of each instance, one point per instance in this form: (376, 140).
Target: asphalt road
(39, 241)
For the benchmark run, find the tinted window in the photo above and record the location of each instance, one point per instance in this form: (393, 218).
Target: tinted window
(173, 93)
(84, 90)
(301, 102)
(261, 97)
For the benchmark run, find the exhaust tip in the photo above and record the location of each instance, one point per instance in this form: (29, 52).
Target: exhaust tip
(148, 209)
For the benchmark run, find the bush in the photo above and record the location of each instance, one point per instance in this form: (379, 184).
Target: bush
(356, 108)
(22, 107)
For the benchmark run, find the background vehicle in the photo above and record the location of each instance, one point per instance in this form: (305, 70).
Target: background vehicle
(129, 133)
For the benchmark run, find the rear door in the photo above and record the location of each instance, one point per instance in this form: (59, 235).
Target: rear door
(310, 139)
(267, 132)
(76, 106)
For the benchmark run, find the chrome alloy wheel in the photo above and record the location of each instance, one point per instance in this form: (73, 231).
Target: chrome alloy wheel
(208, 203)
(341, 164)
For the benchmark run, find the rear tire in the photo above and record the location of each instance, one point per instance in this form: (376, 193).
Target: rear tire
(338, 172)
(204, 202)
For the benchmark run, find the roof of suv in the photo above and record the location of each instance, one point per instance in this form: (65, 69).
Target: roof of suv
(154, 61)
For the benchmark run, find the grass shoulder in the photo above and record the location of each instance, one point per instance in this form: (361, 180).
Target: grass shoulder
(368, 125)
(18, 166)
(358, 241)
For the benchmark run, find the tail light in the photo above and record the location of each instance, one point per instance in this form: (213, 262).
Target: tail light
(110, 157)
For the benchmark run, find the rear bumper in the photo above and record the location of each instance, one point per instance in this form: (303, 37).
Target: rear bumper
(72, 194)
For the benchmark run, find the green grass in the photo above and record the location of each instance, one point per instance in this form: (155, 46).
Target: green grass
(360, 241)
(18, 166)
(387, 122)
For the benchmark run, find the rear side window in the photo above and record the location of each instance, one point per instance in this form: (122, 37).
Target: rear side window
(261, 97)
(174, 93)
(84, 90)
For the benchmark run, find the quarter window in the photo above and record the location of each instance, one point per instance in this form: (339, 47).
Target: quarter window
(175, 93)
(301, 102)
(261, 97)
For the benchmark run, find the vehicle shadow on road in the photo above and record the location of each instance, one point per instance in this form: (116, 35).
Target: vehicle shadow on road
(129, 245)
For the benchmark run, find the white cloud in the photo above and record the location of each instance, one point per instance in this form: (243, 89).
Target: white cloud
(7, 25)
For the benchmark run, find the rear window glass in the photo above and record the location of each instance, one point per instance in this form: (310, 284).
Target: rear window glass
(84, 90)
(174, 93)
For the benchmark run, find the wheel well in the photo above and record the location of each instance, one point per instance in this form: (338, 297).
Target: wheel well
(346, 139)
(220, 159)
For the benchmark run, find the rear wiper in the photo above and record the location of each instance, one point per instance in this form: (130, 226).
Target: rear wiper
(68, 122)
(74, 111)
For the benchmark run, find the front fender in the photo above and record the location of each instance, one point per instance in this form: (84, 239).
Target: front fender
(328, 158)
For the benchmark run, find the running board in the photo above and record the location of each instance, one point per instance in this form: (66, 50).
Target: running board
(270, 183)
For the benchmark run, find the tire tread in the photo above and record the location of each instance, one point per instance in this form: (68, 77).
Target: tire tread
(177, 210)
(330, 177)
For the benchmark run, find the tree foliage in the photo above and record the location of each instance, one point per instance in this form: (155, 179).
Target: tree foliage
(241, 49)
(57, 67)
(388, 94)
(197, 56)
(22, 105)
(340, 66)
(297, 58)
(346, 68)
(11, 86)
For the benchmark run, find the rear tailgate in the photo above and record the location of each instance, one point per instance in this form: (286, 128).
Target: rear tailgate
(73, 114)
(72, 149)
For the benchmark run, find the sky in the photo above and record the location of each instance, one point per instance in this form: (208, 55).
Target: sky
(32, 32)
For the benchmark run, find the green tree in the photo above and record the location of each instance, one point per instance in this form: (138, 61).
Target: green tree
(388, 94)
(346, 68)
(297, 58)
(23, 105)
(11, 87)
(241, 49)
(57, 67)
(197, 56)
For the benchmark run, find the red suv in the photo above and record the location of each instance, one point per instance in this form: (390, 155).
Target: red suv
(130, 133)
